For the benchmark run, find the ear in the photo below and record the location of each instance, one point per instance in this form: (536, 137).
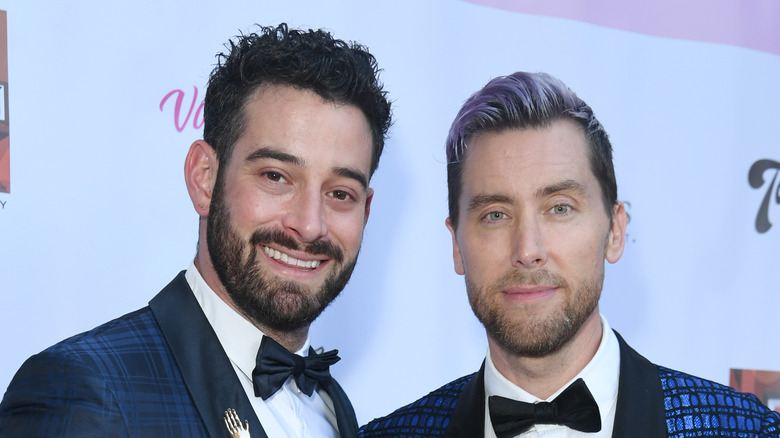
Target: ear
(616, 240)
(457, 256)
(369, 197)
(200, 174)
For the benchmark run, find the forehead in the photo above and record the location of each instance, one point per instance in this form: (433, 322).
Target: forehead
(527, 160)
(301, 123)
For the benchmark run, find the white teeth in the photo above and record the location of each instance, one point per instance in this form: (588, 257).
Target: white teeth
(275, 254)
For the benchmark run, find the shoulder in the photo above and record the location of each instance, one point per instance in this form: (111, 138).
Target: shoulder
(693, 403)
(119, 336)
(428, 416)
(71, 387)
(115, 336)
(102, 351)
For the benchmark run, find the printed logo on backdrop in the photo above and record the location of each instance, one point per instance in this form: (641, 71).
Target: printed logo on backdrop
(772, 190)
(185, 111)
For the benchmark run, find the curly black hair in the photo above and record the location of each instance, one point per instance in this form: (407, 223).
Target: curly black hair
(344, 73)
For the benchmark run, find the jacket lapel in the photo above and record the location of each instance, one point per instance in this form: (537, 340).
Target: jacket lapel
(345, 414)
(207, 371)
(640, 402)
(468, 417)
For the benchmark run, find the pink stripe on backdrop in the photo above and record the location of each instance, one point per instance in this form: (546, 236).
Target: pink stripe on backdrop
(754, 24)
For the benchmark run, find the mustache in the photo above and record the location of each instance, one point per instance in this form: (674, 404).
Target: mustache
(319, 247)
(539, 277)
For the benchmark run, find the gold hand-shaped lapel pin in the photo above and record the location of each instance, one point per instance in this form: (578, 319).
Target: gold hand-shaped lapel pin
(234, 426)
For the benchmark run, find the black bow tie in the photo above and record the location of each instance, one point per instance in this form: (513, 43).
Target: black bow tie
(275, 364)
(574, 408)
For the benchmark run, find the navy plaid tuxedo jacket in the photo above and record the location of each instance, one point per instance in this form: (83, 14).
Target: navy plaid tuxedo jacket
(157, 372)
(653, 401)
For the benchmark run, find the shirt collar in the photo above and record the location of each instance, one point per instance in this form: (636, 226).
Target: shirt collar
(239, 338)
(600, 374)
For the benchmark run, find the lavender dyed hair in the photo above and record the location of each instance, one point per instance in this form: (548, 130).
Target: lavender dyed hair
(526, 101)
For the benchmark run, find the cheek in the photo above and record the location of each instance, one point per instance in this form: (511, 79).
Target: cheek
(581, 257)
(484, 259)
(346, 230)
(249, 210)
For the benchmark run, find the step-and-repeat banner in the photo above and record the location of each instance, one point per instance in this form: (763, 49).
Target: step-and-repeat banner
(100, 102)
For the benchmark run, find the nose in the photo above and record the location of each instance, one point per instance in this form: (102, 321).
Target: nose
(305, 216)
(528, 246)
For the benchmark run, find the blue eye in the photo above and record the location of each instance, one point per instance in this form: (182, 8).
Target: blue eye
(560, 209)
(495, 216)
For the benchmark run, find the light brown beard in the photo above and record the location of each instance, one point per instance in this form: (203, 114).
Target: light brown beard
(530, 335)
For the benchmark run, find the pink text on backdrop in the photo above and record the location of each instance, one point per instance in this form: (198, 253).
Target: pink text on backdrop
(197, 119)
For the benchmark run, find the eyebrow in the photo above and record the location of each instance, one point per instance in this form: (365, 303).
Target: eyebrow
(263, 153)
(568, 185)
(479, 201)
(270, 153)
(351, 173)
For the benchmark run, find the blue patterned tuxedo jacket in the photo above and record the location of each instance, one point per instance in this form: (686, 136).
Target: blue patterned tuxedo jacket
(156, 372)
(653, 401)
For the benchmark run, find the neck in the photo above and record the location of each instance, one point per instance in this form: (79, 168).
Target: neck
(543, 376)
(291, 340)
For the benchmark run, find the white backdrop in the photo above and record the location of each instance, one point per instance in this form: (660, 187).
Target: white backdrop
(98, 218)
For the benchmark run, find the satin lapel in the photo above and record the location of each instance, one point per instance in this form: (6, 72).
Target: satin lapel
(345, 414)
(468, 416)
(640, 402)
(208, 374)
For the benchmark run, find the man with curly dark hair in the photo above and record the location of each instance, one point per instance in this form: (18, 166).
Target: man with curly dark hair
(295, 123)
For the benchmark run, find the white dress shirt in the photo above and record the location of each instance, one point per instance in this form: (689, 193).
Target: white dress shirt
(600, 374)
(287, 413)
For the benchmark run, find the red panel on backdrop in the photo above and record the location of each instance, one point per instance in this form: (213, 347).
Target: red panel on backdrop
(764, 384)
(5, 153)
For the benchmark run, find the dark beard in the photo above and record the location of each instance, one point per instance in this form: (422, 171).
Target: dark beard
(527, 337)
(273, 303)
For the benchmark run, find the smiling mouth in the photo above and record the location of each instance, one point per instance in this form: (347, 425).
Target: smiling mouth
(284, 258)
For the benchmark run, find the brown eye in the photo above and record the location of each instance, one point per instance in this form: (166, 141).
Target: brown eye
(341, 195)
(274, 176)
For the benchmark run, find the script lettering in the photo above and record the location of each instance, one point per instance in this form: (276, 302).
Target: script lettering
(197, 120)
(756, 180)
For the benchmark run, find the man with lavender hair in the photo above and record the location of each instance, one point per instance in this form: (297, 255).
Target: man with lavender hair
(533, 213)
